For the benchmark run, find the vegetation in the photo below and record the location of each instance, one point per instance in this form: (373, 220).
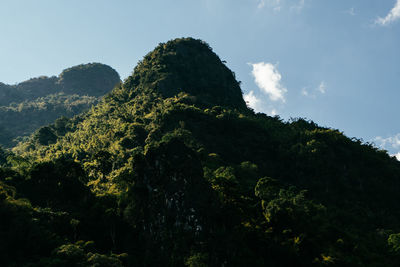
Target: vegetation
(37, 102)
(165, 171)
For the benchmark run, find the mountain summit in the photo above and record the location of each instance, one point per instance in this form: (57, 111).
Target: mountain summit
(190, 66)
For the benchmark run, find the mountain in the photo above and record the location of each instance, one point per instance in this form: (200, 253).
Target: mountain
(172, 169)
(26, 106)
(188, 66)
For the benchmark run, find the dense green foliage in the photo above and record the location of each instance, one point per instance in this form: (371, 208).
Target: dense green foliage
(188, 66)
(31, 104)
(166, 172)
(24, 118)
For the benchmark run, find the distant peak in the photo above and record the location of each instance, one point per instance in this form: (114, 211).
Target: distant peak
(92, 78)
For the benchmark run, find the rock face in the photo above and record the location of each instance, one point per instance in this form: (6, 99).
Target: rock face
(172, 198)
(190, 66)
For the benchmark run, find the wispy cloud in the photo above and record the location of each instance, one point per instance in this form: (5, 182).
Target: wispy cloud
(312, 93)
(322, 87)
(298, 6)
(305, 92)
(351, 11)
(261, 4)
(278, 5)
(275, 4)
(392, 16)
(268, 79)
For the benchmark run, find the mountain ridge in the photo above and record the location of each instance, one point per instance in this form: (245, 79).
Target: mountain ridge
(152, 176)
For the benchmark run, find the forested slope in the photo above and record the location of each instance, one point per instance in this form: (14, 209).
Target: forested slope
(26, 106)
(172, 169)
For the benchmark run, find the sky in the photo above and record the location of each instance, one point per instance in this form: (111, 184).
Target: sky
(336, 62)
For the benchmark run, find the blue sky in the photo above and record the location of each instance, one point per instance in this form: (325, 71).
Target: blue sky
(336, 62)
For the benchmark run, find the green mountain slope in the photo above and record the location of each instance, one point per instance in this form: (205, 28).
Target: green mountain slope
(26, 106)
(172, 169)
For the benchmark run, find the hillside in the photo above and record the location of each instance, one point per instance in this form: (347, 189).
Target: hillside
(172, 169)
(26, 106)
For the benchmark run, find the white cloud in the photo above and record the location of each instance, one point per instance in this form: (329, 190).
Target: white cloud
(298, 6)
(273, 112)
(322, 87)
(275, 4)
(351, 11)
(251, 100)
(258, 104)
(278, 5)
(393, 15)
(304, 91)
(268, 79)
(391, 141)
(261, 4)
